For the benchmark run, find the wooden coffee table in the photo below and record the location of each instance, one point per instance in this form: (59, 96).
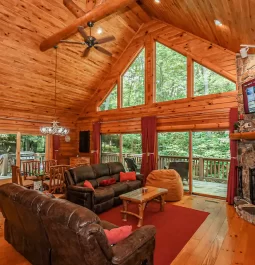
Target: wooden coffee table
(142, 198)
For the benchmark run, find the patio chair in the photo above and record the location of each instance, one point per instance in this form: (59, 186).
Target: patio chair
(182, 167)
(131, 165)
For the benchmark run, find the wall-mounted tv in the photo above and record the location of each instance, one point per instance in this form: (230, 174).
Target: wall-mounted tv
(249, 96)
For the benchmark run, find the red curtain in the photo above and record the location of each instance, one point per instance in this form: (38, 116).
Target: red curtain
(149, 132)
(96, 141)
(232, 178)
(56, 146)
(144, 145)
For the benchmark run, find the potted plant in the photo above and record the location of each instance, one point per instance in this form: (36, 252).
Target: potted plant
(236, 127)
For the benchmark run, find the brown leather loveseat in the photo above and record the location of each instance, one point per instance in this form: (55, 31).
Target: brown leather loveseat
(50, 231)
(104, 198)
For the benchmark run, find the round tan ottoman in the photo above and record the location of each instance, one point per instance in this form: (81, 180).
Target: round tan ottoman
(168, 179)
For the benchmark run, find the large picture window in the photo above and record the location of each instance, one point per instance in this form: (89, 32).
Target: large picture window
(171, 74)
(208, 82)
(111, 101)
(133, 82)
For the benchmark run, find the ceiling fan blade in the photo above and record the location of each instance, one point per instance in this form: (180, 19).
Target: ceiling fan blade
(82, 32)
(86, 52)
(104, 40)
(73, 42)
(101, 49)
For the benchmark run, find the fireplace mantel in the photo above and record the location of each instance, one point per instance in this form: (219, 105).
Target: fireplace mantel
(243, 135)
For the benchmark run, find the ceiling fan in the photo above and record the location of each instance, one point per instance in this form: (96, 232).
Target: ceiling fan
(91, 41)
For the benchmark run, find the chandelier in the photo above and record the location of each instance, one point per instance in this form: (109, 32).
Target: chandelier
(55, 129)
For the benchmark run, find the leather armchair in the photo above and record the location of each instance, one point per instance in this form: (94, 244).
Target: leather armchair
(50, 231)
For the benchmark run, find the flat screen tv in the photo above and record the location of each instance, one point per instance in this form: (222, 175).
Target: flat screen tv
(249, 96)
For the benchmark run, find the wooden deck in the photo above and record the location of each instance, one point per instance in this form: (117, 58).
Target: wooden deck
(223, 239)
(209, 188)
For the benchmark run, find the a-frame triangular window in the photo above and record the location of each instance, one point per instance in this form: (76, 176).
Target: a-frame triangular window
(208, 82)
(111, 101)
(133, 82)
(171, 74)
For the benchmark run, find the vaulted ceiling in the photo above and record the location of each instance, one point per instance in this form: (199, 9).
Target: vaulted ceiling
(27, 74)
(197, 17)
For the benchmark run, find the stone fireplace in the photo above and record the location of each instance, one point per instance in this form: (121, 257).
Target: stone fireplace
(246, 148)
(245, 204)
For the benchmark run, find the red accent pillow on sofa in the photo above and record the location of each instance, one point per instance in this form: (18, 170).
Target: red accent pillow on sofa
(124, 176)
(117, 234)
(87, 184)
(107, 182)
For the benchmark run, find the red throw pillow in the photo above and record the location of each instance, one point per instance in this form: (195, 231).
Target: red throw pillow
(107, 182)
(124, 176)
(117, 234)
(87, 184)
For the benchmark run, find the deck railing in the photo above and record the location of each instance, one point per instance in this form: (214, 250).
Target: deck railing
(204, 169)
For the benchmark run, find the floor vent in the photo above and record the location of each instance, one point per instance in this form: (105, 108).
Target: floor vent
(211, 201)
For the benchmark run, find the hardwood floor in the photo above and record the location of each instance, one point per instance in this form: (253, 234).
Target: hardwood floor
(223, 239)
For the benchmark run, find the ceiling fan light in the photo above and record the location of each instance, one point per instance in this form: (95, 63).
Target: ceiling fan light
(99, 31)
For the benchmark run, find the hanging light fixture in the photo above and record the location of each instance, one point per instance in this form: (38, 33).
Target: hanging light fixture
(55, 129)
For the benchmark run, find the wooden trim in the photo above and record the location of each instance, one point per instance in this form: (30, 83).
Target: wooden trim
(242, 135)
(121, 148)
(190, 77)
(119, 92)
(209, 196)
(190, 163)
(149, 70)
(18, 149)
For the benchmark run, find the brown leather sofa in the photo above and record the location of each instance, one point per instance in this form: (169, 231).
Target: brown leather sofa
(50, 231)
(104, 198)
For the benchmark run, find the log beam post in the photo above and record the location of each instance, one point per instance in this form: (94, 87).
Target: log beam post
(99, 12)
(75, 10)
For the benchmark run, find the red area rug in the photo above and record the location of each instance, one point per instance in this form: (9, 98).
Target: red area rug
(175, 226)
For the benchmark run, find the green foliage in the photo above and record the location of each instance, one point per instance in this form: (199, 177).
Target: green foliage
(171, 74)
(205, 144)
(211, 144)
(132, 143)
(111, 100)
(7, 143)
(33, 143)
(133, 90)
(173, 144)
(208, 82)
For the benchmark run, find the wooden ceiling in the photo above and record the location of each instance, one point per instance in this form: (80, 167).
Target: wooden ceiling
(197, 17)
(27, 74)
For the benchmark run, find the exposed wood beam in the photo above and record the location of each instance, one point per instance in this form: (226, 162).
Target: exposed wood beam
(75, 10)
(99, 12)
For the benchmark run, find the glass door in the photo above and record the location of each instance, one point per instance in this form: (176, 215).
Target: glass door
(7, 154)
(211, 161)
(110, 148)
(173, 153)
